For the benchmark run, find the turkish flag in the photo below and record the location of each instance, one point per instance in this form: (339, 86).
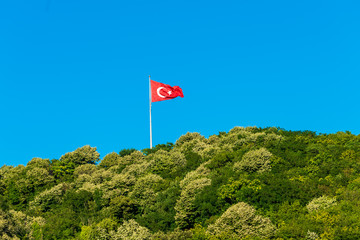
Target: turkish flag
(161, 91)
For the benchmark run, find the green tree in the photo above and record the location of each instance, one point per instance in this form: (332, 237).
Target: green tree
(184, 207)
(112, 159)
(83, 155)
(166, 147)
(123, 208)
(126, 152)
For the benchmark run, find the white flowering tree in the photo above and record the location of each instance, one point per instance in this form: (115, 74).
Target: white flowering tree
(239, 221)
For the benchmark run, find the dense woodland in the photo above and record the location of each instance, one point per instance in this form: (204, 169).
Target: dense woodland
(249, 183)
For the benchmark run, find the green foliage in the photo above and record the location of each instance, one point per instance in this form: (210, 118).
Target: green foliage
(145, 189)
(248, 183)
(62, 170)
(105, 229)
(13, 194)
(177, 234)
(123, 208)
(88, 169)
(188, 137)
(184, 207)
(220, 160)
(255, 161)
(165, 147)
(16, 225)
(167, 164)
(80, 202)
(160, 216)
(320, 203)
(66, 222)
(193, 160)
(3, 203)
(113, 159)
(82, 155)
(126, 152)
(240, 221)
(48, 198)
(240, 190)
(131, 230)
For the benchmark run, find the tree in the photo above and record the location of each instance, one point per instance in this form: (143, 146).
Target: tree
(166, 147)
(83, 155)
(319, 203)
(47, 198)
(240, 221)
(126, 152)
(112, 159)
(131, 230)
(123, 208)
(16, 225)
(145, 189)
(166, 163)
(255, 161)
(184, 207)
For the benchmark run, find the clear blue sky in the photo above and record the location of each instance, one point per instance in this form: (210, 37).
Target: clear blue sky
(75, 72)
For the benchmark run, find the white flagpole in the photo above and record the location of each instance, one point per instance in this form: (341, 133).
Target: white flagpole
(150, 112)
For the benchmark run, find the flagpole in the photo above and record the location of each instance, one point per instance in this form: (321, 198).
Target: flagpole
(150, 112)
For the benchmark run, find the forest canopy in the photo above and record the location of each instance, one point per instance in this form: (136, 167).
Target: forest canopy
(248, 183)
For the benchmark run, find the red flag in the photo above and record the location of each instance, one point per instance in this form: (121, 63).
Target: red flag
(161, 91)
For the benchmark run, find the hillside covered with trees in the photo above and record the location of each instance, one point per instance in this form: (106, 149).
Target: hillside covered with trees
(249, 183)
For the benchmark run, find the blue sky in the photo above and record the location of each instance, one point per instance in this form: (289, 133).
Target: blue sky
(75, 72)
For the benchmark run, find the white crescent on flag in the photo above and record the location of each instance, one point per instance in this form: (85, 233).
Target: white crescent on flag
(158, 92)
